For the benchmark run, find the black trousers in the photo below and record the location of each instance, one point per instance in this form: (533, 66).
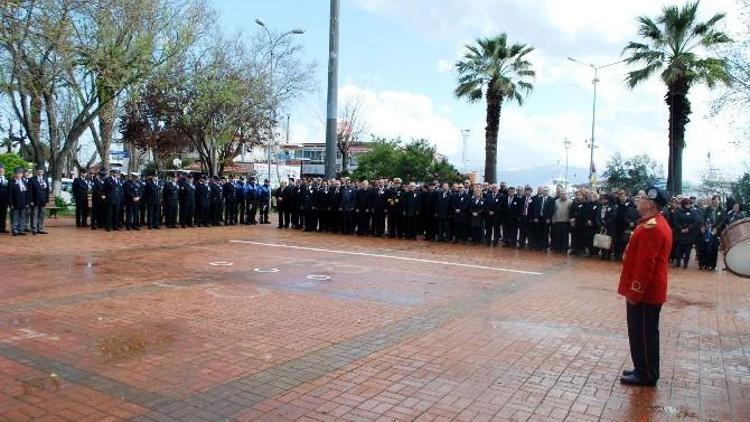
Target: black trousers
(131, 215)
(578, 236)
(561, 237)
(541, 238)
(459, 229)
(525, 228)
(202, 216)
(98, 213)
(170, 215)
(347, 222)
(187, 213)
(3, 216)
(410, 223)
(113, 216)
(394, 222)
(510, 232)
(492, 226)
(82, 213)
(643, 334)
(363, 223)
(152, 215)
(444, 228)
(252, 211)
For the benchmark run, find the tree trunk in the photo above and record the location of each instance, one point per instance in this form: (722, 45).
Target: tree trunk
(36, 129)
(106, 125)
(679, 112)
(344, 161)
(494, 104)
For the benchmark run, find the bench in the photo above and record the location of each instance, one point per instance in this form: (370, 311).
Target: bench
(52, 206)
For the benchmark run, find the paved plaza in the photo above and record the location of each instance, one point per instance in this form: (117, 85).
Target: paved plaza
(254, 323)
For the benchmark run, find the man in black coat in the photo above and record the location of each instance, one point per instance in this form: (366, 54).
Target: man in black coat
(18, 202)
(379, 196)
(230, 201)
(348, 196)
(113, 192)
(511, 213)
(443, 213)
(394, 207)
(287, 199)
(4, 195)
(410, 210)
(459, 213)
(493, 202)
(309, 210)
(98, 204)
(321, 207)
(39, 198)
(428, 211)
(152, 197)
(544, 208)
(133, 194)
(81, 188)
(362, 207)
(187, 201)
(334, 204)
(525, 218)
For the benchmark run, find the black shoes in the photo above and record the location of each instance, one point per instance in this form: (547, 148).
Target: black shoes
(630, 378)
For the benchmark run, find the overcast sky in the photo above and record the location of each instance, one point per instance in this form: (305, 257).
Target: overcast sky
(398, 56)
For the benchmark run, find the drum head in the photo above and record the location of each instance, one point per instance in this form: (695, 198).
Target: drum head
(737, 259)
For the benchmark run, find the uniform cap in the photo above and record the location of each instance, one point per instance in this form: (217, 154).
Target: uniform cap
(19, 170)
(657, 195)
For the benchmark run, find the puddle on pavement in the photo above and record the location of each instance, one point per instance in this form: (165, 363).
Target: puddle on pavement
(133, 343)
(675, 412)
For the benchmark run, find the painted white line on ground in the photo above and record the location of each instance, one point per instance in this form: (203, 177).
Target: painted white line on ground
(400, 258)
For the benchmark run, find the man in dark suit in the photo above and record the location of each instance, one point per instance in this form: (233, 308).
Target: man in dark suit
(217, 201)
(171, 194)
(493, 216)
(347, 209)
(230, 201)
(39, 198)
(379, 209)
(459, 213)
(362, 206)
(393, 199)
(334, 205)
(113, 192)
(81, 188)
(287, 199)
(152, 197)
(511, 212)
(321, 207)
(443, 212)
(544, 208)
(18, 202)
(410, 210)
(4, 194)
(428, 211)
(525, 218)
(133, 195)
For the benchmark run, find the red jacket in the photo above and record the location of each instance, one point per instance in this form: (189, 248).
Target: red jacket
(646, 261)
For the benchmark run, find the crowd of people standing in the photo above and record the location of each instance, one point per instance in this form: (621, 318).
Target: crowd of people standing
(491, 214)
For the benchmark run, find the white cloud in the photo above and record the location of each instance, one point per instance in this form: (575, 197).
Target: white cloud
(444, 66)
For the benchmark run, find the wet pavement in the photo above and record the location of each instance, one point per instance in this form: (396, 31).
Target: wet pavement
(255, 323)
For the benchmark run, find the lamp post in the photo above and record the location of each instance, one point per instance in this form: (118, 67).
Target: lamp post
(593, 107)
(271, 45)
(464, 148)
(566, 143)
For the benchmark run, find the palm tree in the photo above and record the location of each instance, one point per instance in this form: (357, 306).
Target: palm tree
(671, 44)
(496, 71)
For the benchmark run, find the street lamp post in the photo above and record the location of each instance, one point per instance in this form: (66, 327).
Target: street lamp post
(272, 112)
(464, 148)
(567, 144)
(593, 107)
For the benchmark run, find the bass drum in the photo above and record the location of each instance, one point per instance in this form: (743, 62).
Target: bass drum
(735, 244)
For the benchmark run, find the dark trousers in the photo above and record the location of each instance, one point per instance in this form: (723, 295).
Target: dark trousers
(3, 216)
(459, 229)
(410, 223)
(113, 216)
(643, 334)
(187, 213)
(287, 217)
(709, 251)
(510, 232)
(560, 237)
(525, 232)
(241, 209)
(82, 212)
(131, 215)
(217, 208)
(430, 227)
(152, 215)
(492, 226)
(98, 213)
(578, 237)
(230, 211)
(202, 216)
(363, 223)
(394, 222)
(541, 235)
(142, 215)
(252, 211)
(170, 215)
(264, 210)
(444, 228)
(683, 252)
(347, 222)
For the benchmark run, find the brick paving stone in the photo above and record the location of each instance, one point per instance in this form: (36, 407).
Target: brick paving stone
(380, 340)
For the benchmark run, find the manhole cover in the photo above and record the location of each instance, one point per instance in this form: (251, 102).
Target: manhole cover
(221, 263)
(266, 270)
(318, 277)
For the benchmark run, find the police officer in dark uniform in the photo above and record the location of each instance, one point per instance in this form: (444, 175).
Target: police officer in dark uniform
(18, 202)
(202, 202)
(459, 212)
(4, 194)
(410, 208)
(348, 197)
(113, 192)
(334, 205)
(251, 198)
(217, 201)
(443, 209)
(362, 206)
(230, 202)
(187, 201)
(133, 197)
(511, 211)
(152, 197)
(81, 188)
(394, 208)
(264, 194)
(171, 195)
(379, 209)
(287, 199)
(493, 216)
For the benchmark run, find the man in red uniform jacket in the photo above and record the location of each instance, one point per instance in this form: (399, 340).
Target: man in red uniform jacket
(643, 282)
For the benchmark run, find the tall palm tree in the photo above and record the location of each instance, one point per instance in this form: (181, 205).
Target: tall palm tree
(498, 72)
(671, 44)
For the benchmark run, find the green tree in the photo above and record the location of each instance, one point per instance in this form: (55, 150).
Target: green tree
(11, 162)
(632, 173)
(741, 190)
(413, 161)
(672, 44)
(499, 72)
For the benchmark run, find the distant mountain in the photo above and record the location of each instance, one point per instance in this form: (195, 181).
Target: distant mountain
(536, 176)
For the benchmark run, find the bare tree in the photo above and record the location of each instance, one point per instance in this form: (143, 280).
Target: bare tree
(352, 124)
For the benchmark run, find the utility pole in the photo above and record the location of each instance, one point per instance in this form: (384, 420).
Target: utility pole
(333, 70)
(567, 144)
(464, 149)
